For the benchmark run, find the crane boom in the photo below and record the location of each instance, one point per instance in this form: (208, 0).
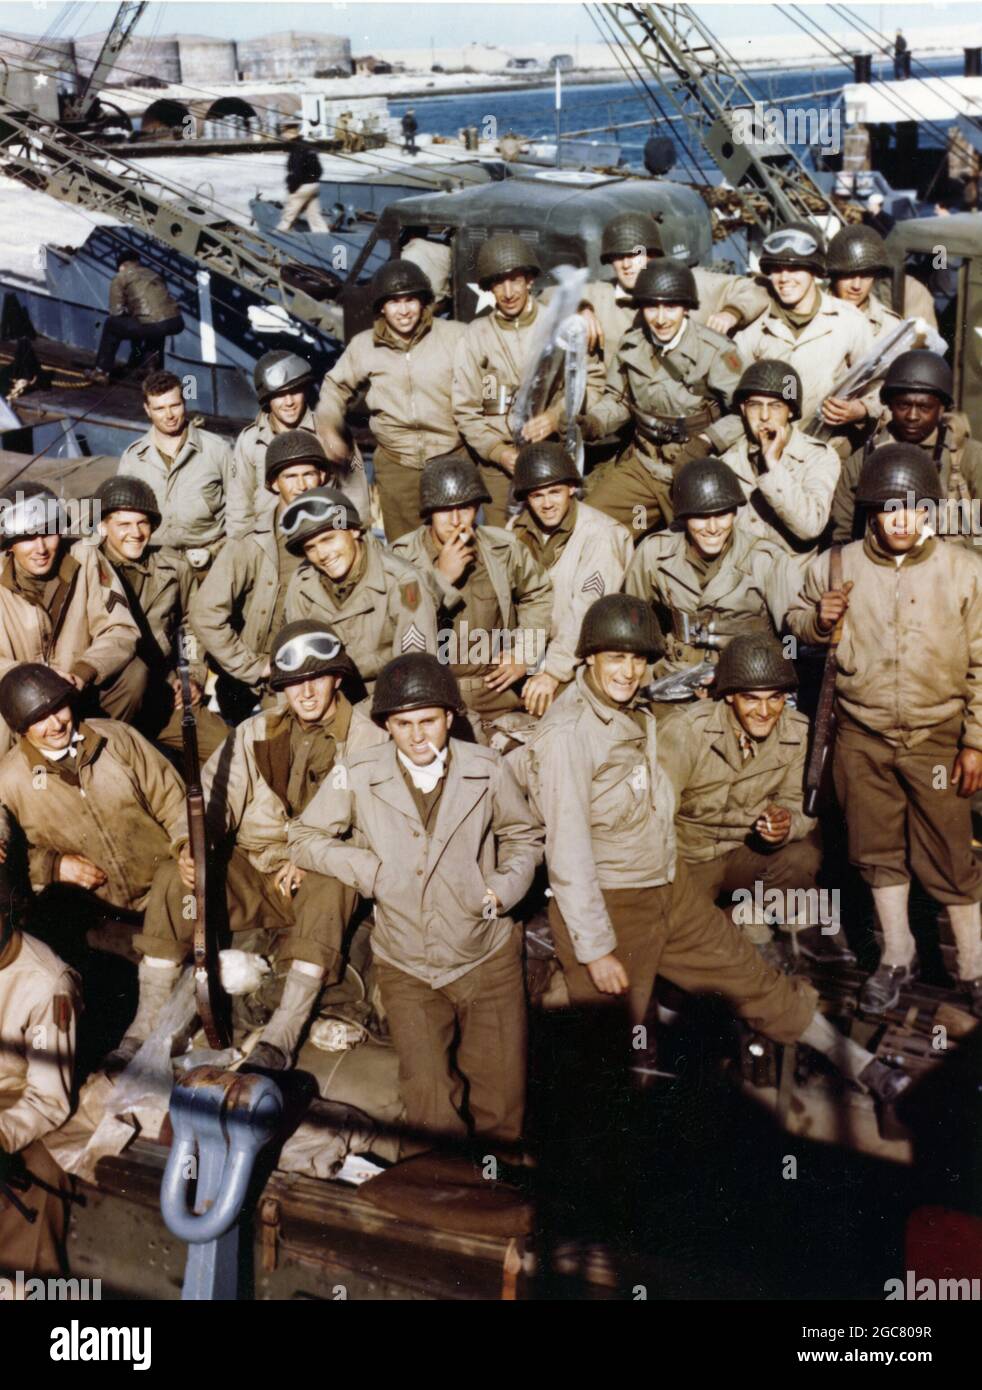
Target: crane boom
(79, 107)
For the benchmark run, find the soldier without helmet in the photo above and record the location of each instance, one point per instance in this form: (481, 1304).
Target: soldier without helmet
(405, 364)
(493, 599)
(242, 601)
(737, 762)
(908, 754)
(377, 604)
(438, 833)
(584, 552)
(157, 585)
(706, 580)
(275, 763)
(674, 380)
(624, 908)
(918, 394)
(65, 609)
(788, 478)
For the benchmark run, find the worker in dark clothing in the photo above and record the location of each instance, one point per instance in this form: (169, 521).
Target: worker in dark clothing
(410, 125)
(141, 311)
(303, 172)
(901, 57)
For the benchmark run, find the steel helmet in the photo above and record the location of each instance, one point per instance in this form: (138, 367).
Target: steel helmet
(278, 371)
(504, 254)
(30, 692)
(313, 512)
(895, 472)
(620, 623)
(919, 370)
(667, 281)
(705, 487)
(290, 447)
(415, 680)
(629, 232)
(753, 661)
(304, 651)
(770, 377)
(400, 277)
(450, 480)
(126, 494)
(798, 245)
(540, 465)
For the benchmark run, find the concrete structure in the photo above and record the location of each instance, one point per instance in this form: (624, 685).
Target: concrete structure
(293, 54)
(207, 60)
(160, 58)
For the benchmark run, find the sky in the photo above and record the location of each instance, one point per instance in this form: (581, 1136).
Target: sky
(414, 25)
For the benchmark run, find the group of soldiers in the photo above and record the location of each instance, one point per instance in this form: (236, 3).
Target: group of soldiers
(422, 723)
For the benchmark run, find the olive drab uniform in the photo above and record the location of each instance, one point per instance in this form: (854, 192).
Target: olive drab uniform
(190, 488)
(428, 859)
(411, 415)
(700, 604)
(671, 394)
(617, 882)
(789, 503)
(724, 780)
(585, 557)
(38, 1000)
(505, 591)
(959, 461)
(248, 499)
(381, 610)
(270, 770)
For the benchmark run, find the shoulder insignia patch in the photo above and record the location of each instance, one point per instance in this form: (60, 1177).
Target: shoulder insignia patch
(594, 585)
(413, 640)
(733, 360)
(410, 594)
(62, 1006)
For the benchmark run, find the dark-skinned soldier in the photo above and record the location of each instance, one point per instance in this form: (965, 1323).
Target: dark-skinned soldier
(908, 754)
(788, 478)
(493, 598)
(490, 363)
(270, 770)
(156, 582)
(674, 379)
(378, 605)
(737, 762)
(706, 580)
(438, 833)
(404, 363)
(242, 601)
(624, 907)
(584, 552)
(282, 380)
(918, 393)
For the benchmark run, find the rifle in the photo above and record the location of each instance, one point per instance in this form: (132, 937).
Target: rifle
(826, 722)
(680, 685)
(909, 333)
(209, 996)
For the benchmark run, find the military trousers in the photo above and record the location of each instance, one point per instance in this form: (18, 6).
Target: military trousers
(145, 699)
(470, 1035)
(630, 493)
(398, 490)
(36, 1247)
(311, 923)
(498, 483)
(903, 815)
(790, 868)
(304, 202)
(672, 930)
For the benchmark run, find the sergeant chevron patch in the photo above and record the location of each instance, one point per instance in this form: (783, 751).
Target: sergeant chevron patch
(413, 640)
(594, 585)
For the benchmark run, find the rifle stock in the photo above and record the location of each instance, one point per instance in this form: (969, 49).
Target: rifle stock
(825, 717)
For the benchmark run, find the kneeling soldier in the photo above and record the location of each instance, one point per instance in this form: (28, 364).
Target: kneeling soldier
(624, 907)
(377, 604)
(584, 552)
(494, 601)
(908, 754)
(439, 834)
(737, 763)
(268, 773)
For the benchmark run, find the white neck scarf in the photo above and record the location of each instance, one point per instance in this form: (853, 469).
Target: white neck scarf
(424, 779)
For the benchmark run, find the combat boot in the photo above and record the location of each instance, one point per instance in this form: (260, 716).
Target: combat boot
(156, 987)
(278, 1040)
(882, 990)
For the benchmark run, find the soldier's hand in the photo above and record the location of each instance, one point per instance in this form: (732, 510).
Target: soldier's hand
(508, 459)
(336, 447)
(608, 975)
(832, 605)
(773, 442)
(77, 681)
(724, 322)
(774, 826)
(836, 411)
(594, 332)
(75, 868)
(966, 774)
(289, 879)
(539, 693)
(185, 866)
(506, 673)
(539, 427)
(457, 553)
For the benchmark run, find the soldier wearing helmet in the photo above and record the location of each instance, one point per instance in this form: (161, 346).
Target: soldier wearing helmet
(584, 552)
(378, 605)
(437, 832)
(918, 395)
(788, 478)
(242, 601)
(282, 380)
(737, 762)
(491, 363)
(819, 335)
(494, 601)
(674, 381)
(860, 269)
(705, 579)
(270, 771)
(157, 583)
(405, 364)
(61, 607)
(908, 754)
(624, 906)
